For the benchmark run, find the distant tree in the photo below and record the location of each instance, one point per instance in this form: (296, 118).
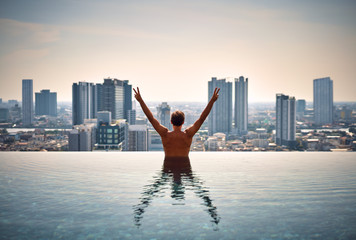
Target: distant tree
(300, 146)
(4, 131)
(279, 148)
(270, 128)
(352, 129)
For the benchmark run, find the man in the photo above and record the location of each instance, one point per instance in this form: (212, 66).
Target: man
(177, 143)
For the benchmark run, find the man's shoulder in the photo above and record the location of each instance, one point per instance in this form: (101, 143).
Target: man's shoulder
(177, 134)
(188, 131)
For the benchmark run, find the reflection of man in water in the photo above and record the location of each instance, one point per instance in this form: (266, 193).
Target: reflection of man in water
(177, 172)
(177, 143)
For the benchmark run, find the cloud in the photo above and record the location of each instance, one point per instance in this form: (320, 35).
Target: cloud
(24, 42)
(110, 31)
(34, 32)
(25, 55)
(23, 39)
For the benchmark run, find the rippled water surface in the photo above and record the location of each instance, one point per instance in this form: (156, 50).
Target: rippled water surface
(218, 196)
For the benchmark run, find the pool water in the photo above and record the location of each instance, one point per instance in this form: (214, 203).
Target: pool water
(106, 195)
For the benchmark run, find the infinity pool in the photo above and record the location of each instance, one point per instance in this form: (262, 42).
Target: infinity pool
(218, 196)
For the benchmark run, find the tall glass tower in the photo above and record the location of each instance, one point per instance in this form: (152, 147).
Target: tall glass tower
(285, 120)
(83, 102)
(27, 102)
(241, 105)
(127, 99)
(220, 117)
(323, 101)
(113, 97)
(164, 115)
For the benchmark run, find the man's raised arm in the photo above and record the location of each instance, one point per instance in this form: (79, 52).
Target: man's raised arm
(159, 128)
(196, 126)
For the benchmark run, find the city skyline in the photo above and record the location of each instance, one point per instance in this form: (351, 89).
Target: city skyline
(170, 50)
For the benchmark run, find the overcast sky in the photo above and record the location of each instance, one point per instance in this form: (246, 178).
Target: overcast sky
(171, 49)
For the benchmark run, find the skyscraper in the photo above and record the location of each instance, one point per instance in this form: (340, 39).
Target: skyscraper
(220, 117)
(241, 105)
(46, 103)
(131, 117)
(4, 114)
(97, 91)
(301, 106)
(115, 94)
(285, 120)
(300, 109)
(323, 101)
(164, 115)
(83, 102)
(127, 99)
(27, 102)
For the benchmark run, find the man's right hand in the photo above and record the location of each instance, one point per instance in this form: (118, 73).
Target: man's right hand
(137, 94)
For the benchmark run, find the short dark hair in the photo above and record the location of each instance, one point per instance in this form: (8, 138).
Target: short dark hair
(177, 118)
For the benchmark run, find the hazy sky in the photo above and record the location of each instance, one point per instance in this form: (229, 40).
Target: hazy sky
(171, 49)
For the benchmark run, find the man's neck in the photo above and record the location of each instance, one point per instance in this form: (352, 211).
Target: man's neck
(177, 128)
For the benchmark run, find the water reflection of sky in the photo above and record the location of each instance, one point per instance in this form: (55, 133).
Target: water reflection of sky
(178, 175)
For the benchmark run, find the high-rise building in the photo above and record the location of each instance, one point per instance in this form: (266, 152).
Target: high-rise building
(97, 91)
(82, 137)
(301, 106)
(323, 101)
(155, 141)
(137, 138)
(285, 120)
(300, 109)
(113, 97)
(220, 117)
(103, 117)
(241, 104)
(116, 97)
(131, 117)
(46, 103)
(83, 103)
(4, 115)
(27, 102)
(15, 113)
(164, 115)
(127, 99)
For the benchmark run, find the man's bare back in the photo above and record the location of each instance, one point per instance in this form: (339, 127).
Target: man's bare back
(177, 143)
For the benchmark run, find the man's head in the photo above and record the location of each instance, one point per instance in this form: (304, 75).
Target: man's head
(177, 118)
